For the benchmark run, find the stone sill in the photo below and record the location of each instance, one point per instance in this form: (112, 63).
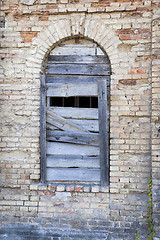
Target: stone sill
(70, 188)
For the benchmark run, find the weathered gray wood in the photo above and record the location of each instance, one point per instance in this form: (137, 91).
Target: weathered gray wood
(73, 174)
(75, 113)
(99, 52)
(91, 139)
(68, 90)
(43, 128)
(77, 49)
(75, 79)
(48, 102)
(102, 101)
(51, 127)
(52, 59)
(62, 123)
(57, 148)
(74, 153)
(73, 162)
(78, 69)
(89, 125)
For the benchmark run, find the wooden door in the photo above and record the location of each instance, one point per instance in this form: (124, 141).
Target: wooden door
(75, 85)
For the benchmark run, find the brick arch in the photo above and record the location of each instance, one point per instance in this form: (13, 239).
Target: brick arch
(71, 26)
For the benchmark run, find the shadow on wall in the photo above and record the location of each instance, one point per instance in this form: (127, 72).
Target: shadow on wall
(25, 232)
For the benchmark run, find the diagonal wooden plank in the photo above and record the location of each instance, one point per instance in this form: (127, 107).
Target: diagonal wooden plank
(63, 123)
(51, 127)
(90, 125)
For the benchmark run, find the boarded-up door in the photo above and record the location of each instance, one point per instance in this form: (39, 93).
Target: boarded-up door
(74, 128)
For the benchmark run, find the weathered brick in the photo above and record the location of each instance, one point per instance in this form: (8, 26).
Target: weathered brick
(60, 188)
(123, 30)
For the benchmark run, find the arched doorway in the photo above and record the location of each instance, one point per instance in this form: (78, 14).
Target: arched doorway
(74, 115)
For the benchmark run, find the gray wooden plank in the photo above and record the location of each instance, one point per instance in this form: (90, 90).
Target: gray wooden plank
(89, 125)
(56, 148)
(73, 174)
(76, 49)
(75, 162)
(68, 90)
(62, 123)
(52, 59)
(78, 69)
(91, 139)
(99, 51)
(75, 79)
(43, 128)
(75, 113)
(51, 127)
(48, 102)
(103, 132)
(81, 44)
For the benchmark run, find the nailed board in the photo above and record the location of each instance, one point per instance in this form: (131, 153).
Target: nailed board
(73, 78)
(68, 90)
(89, 125)
(62, 123)
(76, 113)
(57, 148)
(73, 162)
(72, 133)
(88, 59)
(85, 138)
(81, 48)
(73, 174)
(78, 69)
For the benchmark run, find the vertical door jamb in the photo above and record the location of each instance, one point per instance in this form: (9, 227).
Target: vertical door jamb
(103, 131)
(43, 128)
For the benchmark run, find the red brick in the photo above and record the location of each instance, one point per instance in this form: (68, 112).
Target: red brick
(8, 176)
(25, 176)
(51, 6)
(52, 188)
(27, 36)
(43, 18)
(125, 37)
(8, 165)
(96, 5)
(70, 188)
(140, 71)
(128, 82)
(79, 189)
(21, 18)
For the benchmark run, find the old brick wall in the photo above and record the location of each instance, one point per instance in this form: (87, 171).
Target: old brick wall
(155, 115)
(128, 31)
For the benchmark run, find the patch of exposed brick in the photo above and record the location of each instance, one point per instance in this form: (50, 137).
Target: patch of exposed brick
(27, 36)
(128, 82)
